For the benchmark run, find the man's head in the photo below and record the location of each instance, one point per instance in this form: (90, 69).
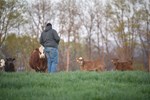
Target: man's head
(48, 27)
(48, 24)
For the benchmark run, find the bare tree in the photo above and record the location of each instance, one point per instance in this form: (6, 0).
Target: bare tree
(88, 22)
(68, 12)
(10, 16)
(121, 28)
(143, 19)
(102, 31)
(41, 13)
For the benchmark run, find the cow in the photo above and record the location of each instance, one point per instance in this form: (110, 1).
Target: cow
(38, 60)
(95, 65)
(122, 65)
(2, 64)
(7, 65)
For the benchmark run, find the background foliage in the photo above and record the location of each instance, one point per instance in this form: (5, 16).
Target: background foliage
(92, 29)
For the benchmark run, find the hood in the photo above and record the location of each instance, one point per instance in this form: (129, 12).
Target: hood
(48, 28)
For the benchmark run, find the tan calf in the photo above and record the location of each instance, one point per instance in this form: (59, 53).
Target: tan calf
(95, 65)
(122, 65)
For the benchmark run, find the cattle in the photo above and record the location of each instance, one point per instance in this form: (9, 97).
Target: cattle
(38, 60)
(122, 65)
(7, 65)
(2, 64)
(95, 65)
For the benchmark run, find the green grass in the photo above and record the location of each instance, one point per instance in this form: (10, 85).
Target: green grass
(77, 85)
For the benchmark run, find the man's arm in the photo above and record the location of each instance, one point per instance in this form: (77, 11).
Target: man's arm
(57, 38)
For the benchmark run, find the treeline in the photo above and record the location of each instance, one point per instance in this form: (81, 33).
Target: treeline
(89, 28)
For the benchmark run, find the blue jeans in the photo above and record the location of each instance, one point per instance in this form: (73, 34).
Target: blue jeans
(52, 58)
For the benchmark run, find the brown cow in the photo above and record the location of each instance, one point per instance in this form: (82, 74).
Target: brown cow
(90, 65)
(122, 65)
(38, 60)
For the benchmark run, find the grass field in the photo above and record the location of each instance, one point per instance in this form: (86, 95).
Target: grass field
(77, 85)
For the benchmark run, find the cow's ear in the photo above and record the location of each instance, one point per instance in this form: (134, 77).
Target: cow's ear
(7, 59)
(76, 59)
(37, 49)
(13, 59)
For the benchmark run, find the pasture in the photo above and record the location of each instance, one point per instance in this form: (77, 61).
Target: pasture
(114, 85)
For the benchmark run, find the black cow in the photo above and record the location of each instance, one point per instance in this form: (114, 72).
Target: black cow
(9, 65)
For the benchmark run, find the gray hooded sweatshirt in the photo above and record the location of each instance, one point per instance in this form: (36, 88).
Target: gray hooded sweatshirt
(49, 37)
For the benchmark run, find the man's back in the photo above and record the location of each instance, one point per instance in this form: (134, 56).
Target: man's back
(49, 37)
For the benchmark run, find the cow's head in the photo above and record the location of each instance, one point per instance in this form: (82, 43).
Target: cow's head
(80, 60)
(41, 50)
(9, 65)
(114, 61)
(10, 60)
(2, 63)
(130, 62)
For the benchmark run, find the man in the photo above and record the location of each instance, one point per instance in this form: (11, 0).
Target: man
(50, 40)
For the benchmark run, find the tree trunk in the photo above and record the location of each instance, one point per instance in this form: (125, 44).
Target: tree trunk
(68, 59)
(149, 62)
